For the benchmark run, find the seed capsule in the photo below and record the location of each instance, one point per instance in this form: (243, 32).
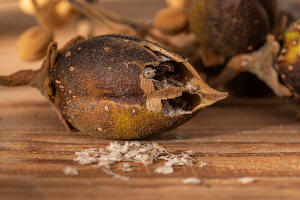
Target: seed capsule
(289, 60)
(179, 3)
(53, 13)
(27, 6)
(171, 20)
(232, 27)
(120, 87)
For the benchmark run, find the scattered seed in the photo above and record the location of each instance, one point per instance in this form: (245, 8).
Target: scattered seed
(203, 164)
(164, 170)
(192, 180)
(136, 152)
(69, 170)
(246, 180)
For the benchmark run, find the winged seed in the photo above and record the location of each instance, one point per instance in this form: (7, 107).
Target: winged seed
(134, 152)
(192, 180)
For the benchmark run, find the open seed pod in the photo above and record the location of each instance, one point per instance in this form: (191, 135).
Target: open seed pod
(288, 64)
(119, 87)
(232, 27)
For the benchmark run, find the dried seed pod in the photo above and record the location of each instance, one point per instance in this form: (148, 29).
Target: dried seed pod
(100, 86)
(288, 64)
(27, 5)
(33, 43)
(179, 3)
(63, 12)
(84, 27)
(232, 27)
(50, 13)
(56, 13)
(171, 20)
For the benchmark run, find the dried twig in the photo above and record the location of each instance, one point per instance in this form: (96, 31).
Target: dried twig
(111, 20)
(260, 62)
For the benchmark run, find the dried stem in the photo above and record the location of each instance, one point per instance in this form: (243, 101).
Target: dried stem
(259, 62)
(24, 77)
(111, 20)
(107, 18)
(40, 15)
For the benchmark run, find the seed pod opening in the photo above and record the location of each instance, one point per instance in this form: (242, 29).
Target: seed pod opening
(121, 87)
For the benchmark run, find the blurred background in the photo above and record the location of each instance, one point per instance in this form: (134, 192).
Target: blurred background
(13, 22)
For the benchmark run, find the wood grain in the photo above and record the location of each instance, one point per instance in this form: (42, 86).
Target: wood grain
(260, 139)
(257, 138)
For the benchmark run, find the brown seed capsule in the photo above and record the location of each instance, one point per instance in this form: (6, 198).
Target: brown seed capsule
(56, 13)
(119, 87)
(49, 12)
(179, 3)
(27, 6)
(171, 20)
(62, 13)
(289, 60)
(33, 43)
(232, 27)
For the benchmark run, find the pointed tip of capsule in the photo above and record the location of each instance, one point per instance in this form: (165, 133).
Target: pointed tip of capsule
(209, 98)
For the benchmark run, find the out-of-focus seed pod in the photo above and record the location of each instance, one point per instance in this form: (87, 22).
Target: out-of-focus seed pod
(232, 27)
(50, 13)
(33, 43)
(84, 27)
(63, 12)
(56, 13)
(27, 6)
(179, 3)
(289, 60)
(119, 87)
(171, 20)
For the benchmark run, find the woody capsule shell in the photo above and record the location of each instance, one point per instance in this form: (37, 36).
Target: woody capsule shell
(234, 26)
(288, 64)
(121, 87)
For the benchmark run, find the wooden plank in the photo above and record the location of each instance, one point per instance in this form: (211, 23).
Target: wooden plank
(257, 138)
(261, 139)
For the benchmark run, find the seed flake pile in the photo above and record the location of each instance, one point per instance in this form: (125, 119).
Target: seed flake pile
(134, 152)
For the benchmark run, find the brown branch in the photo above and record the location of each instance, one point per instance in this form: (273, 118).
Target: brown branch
(111, 20)
(24, 77)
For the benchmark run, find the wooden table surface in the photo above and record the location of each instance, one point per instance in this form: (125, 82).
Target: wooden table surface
(258, 137)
